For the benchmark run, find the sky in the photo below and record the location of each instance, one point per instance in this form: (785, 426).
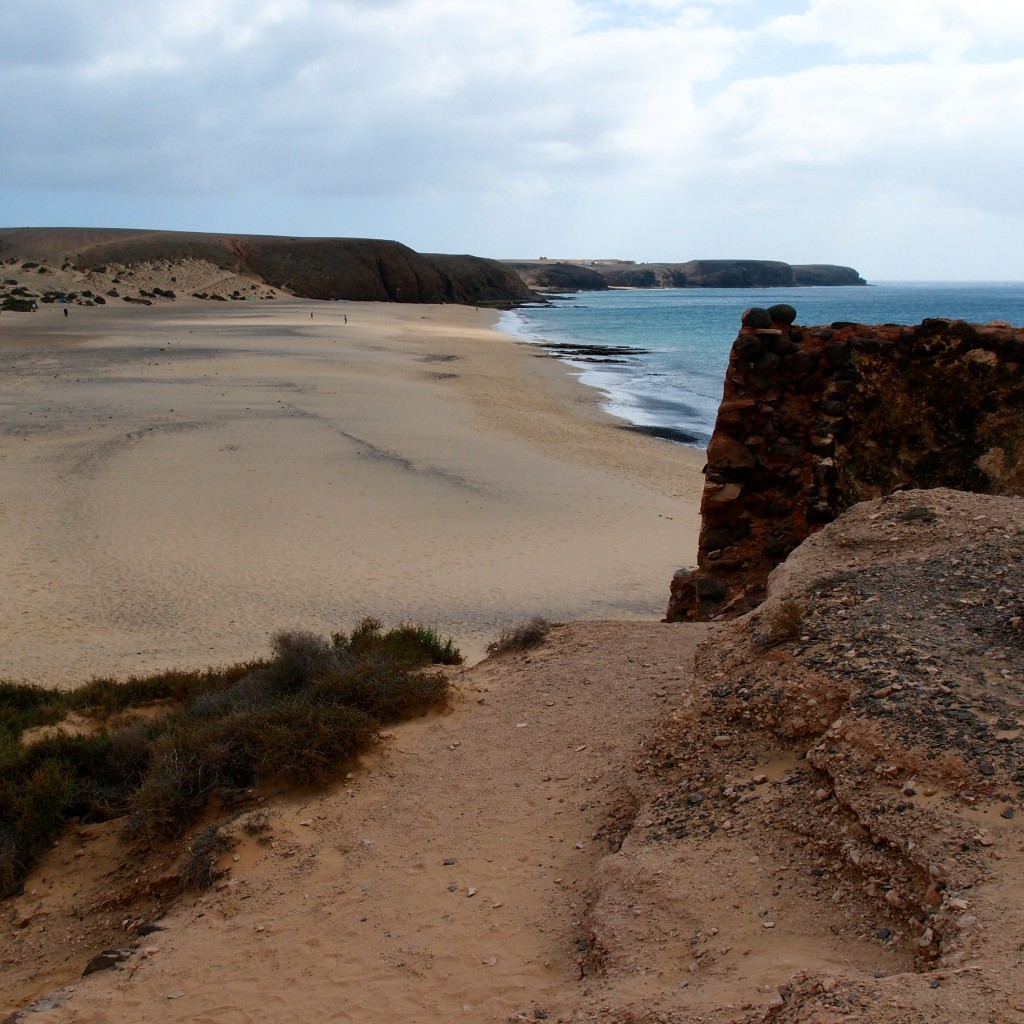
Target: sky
(887, 135)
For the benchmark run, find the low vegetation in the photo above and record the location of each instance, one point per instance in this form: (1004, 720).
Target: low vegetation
(521, 637)
(298, 716)
(785, 623)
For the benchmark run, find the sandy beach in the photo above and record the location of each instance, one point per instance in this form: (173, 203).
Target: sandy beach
(179, 482)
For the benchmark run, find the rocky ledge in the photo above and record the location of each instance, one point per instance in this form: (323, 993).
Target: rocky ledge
(838, 798)
(816, 419)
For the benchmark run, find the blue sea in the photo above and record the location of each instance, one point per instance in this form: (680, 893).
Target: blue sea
(670, 347)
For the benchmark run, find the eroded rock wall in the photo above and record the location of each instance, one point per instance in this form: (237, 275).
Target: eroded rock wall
(816, 419)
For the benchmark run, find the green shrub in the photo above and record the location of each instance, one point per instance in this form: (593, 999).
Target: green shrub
(296, 717)
(417, 645)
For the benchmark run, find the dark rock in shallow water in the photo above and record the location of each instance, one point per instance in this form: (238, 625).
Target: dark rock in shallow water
(665, 433)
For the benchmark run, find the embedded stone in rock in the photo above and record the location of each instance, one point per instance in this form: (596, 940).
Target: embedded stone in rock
(722, 494)
(748, 347)
(782, 313)
(756, 317)
(104, 961)
(727, 453)
(710, 589)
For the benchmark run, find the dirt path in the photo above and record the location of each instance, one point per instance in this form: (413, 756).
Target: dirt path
(447, 881)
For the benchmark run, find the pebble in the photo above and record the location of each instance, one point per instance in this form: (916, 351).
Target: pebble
(722, 741)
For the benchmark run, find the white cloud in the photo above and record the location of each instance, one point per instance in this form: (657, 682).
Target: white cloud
(657, 122)
(941, 29)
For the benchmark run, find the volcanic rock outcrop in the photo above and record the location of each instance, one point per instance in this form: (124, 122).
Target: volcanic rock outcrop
(547, 276)
(816, 419)
(572, 275)
(360, 269)
(727, 274)
(835, 803)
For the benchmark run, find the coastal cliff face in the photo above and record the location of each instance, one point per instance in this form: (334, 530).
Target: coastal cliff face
(360, 269)
(547, 276)
(596, 276)
(728, 274)
(816, 419)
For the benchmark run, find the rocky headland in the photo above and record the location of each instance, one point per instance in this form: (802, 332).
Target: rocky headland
(598, 275)
(239, 266)
(814, 420)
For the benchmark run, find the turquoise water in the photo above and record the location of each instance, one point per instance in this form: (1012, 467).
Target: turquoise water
(679, 338)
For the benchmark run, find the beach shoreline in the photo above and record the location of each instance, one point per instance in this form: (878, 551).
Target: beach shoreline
(181, 481)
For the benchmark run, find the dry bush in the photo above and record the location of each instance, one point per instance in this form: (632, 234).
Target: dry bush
(521, 637)
(785, 623)
(200, 868)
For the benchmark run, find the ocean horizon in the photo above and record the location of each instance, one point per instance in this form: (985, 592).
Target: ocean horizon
(659, 356)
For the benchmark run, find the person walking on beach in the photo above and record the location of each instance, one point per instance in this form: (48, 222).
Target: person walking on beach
(345, 317)
(65, 310)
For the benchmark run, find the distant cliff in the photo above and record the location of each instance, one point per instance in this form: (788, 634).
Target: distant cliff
(814, 420)
(555, 276)
(315, 268)
(581, 275)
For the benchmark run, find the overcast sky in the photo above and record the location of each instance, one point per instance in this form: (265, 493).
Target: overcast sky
(883, 134)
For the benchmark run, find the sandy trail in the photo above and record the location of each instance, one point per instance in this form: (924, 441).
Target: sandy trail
(179, 483)
(353, 913)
